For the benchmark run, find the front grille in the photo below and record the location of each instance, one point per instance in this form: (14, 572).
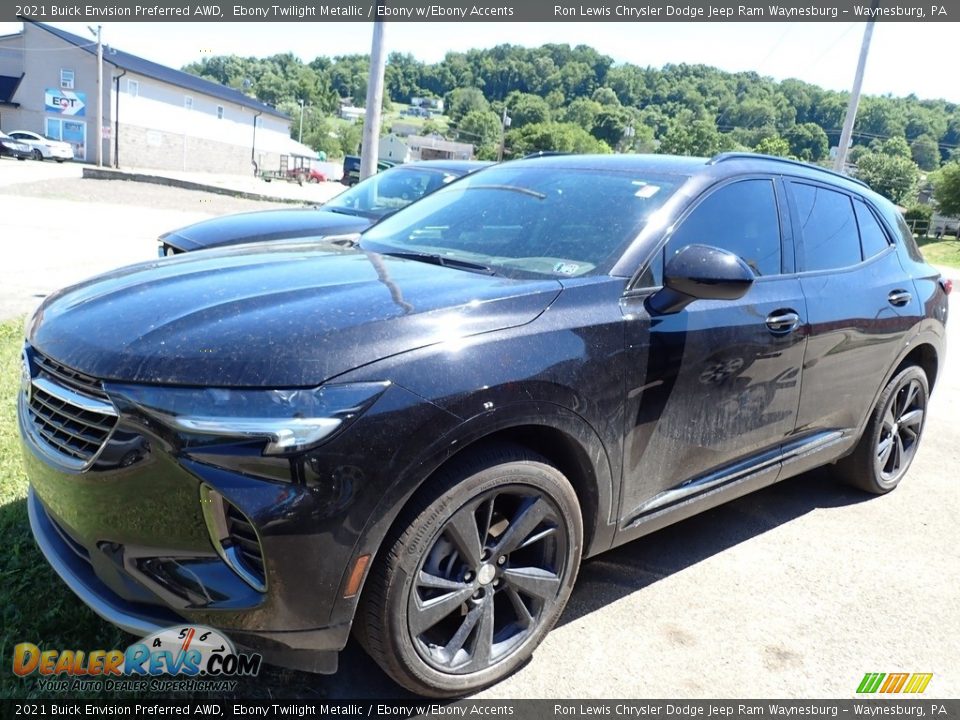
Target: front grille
(69, 411)
(244, 539)
(69, 377)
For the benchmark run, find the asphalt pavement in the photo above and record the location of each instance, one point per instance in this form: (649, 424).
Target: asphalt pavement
(795, 591)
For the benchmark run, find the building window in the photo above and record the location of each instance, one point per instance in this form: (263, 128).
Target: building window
(133, 88)
(66, 79)
(219, 112)
(188, 102)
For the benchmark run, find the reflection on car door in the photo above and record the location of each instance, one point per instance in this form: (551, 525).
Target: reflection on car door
(712, 390)
(854, 336)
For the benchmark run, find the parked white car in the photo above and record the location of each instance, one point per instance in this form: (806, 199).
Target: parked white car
(44, 148)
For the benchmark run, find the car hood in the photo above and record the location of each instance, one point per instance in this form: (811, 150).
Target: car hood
(264, 225)
(296, 315)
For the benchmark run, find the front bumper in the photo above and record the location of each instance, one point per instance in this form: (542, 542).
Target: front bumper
(58, 153)
(128, 533)
(312, 651)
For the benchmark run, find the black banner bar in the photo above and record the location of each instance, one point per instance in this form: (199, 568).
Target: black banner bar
(480, 11)
(524, 709)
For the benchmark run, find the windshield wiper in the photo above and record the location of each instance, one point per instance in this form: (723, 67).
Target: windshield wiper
(344, 211)
(444, 260)
(511, 188)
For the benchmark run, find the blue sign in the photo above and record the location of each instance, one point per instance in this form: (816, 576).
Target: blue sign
(65, 102)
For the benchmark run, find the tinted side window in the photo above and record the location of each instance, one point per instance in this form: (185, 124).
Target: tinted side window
(828, 228)
(873, 239)
(741, 217)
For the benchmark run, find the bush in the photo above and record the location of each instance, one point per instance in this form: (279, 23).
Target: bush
(918, 217)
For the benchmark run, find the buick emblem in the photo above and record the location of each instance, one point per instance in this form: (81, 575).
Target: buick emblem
(26, 382)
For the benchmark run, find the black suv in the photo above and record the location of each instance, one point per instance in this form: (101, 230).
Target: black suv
(418, 437)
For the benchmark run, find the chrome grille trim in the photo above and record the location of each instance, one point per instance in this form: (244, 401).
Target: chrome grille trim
(68, 376)
(67, 395)
(241, 552)
(69, 414)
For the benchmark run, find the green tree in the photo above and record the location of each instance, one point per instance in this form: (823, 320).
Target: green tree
(894, 147)
(699, 137)
(526, 109)
(918, 217)
(773, 146)
(893, 177)
(807, 141)
(925, 152)
(461, 101)
(582, 112)
(562, 137)
(480, 127)
(946, 188)
(349, 136)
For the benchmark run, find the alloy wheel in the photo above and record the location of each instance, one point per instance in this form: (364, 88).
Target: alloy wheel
(493, 572)
(900, 431)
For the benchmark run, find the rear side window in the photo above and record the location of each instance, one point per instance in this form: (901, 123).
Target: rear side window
(742, 218)
(873, 240)
(828, 228)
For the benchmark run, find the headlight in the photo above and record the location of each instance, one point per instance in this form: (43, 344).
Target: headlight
(289, 420)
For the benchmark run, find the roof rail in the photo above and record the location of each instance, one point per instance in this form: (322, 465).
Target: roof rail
(724, 156)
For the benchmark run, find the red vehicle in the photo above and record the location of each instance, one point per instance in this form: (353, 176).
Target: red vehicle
(308, 174)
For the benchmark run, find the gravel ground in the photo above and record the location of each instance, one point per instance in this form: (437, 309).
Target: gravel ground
(57, 229)
(133, 194)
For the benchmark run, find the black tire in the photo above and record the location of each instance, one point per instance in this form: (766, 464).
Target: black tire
(37, 155)
(526, 513)
(890, 441)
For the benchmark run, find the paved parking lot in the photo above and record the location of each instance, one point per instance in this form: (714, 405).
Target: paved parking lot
(796, 591)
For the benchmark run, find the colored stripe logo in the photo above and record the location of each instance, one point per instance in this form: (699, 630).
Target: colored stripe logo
(913, 683)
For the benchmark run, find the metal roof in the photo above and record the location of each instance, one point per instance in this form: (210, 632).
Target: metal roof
(148, 68)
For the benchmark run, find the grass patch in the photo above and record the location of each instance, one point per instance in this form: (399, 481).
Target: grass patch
(940, 252)
(35, 604)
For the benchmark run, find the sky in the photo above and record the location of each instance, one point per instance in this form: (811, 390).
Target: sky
(824, 53)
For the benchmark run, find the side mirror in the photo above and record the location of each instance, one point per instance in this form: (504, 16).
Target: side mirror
(700, 272)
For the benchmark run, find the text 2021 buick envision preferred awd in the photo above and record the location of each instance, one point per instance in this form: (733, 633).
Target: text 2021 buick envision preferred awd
(421, 435)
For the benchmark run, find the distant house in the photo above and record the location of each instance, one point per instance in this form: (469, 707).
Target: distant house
(418, 147)
(349, 112)
(392, 147)
(427, 103)
(434, 147)
(153, 116)
(404, 129)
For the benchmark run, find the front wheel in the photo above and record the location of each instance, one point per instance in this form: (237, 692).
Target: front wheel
(37, 155)
(892, 436)
(475, 574)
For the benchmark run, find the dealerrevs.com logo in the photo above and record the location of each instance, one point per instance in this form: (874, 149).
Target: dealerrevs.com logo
(188, 657)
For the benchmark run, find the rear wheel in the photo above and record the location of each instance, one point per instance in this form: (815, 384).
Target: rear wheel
(475, 574)
(892, 436)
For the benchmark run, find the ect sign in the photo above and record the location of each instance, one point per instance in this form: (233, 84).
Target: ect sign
(65, 102)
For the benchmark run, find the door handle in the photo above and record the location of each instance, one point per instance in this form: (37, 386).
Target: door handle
(781, 322)
(899, 298)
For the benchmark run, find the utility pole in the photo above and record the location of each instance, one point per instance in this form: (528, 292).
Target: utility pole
(301, 121)
(371, 122)
(504, 124)
(99, 35)
(851, 117)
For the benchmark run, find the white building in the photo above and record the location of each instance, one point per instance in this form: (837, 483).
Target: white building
(422, 147)
(153, 116)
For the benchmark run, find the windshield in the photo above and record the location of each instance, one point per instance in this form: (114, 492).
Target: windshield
(390, 190)
(528, 221)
